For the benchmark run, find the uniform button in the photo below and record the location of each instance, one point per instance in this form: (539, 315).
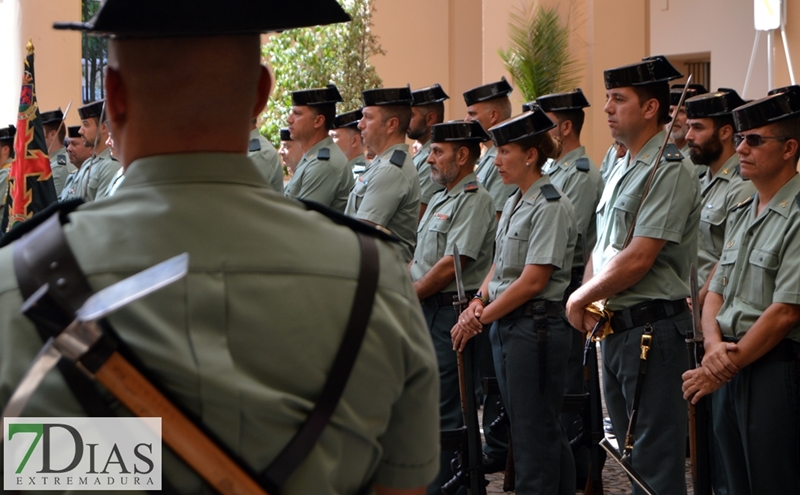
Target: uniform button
(760, 258)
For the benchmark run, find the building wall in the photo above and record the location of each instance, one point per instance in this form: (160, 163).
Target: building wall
(10, 61)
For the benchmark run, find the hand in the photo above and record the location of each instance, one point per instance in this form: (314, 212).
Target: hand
(689, 303)
(468, 325)
(698, 383)
(718, 362)
(580, 318)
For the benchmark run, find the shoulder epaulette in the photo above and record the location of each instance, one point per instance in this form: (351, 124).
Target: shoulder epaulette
(471, 186)
(59, 207)
(672, 153)
(324, 154)
(398, 158)
(61, 160)
(550, 193)
(255, 145)
(582, 164)
(744, 203)
(353, 223)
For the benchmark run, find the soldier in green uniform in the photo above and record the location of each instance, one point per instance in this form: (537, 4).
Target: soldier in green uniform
(462, 214)
(6, 156)
(614, 154)
(751, 316)
(54, 135)
(489, 105)
(521, 298)
(290, 152)
(347, 137)
(646, 282)
(577, 177)
(265, 157)
(679, 130)
(97, 172)
(322, 174)
(246, 340)
(387, 194)
(710, 138)
(78, 153)
(427, 109)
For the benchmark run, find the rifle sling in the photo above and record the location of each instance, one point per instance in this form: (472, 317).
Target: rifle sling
(43, 256)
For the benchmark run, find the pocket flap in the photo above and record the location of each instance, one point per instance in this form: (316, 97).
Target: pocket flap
(627, 202)
(714, 217)
(764, 259)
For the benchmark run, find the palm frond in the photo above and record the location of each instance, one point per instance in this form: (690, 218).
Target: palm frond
(539, 58)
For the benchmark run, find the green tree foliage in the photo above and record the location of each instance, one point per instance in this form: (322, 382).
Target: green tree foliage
(315, 56)
(539, 58)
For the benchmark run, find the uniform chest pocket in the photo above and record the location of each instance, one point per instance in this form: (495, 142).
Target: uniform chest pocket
(763, 267)
(516, 246)
(624, 209)
(435, 239)
(712, 229)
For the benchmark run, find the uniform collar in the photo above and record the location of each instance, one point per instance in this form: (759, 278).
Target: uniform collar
(782, 202)
(391, 149)
(425, 147)
(254, 133)
(359, 159)
(649, 151)
(535, 190)
(728, 170)
(312, 151)
(570, 158)
(459, 188)
(192, 167)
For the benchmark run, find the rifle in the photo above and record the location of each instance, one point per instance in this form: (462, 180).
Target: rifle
(699, 447)
(468, 469)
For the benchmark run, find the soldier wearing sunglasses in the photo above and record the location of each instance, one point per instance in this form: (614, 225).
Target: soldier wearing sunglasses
(751, 316)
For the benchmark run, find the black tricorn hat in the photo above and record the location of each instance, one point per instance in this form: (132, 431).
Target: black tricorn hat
(8, 133)
(93, 109)
(489, 91)
(523, 126)
(772, 108)
(458, 130)
(649, 70)
(428, 96)
(348, 119)
(52, 117)
(173, 18)
(72, 131)
(693, 90)
(785, 89)
(718, 104)
(285, 135)
(561, 102)
(387, 96)
(329, 95)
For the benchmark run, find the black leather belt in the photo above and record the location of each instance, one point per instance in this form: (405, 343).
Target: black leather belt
(785, 350)
(444, 299)
(648, 312)
(551, 309)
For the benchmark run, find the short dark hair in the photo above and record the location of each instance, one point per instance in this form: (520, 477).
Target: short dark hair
(10, 148)
(789, 128)
(658, 91)
(577, 117)
(502, 105)
(328, 111)
(437, 108)
(473, 147)
(402, 112)
(56, 126)
(722, 121)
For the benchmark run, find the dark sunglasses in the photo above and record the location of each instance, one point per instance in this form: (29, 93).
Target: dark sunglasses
(754, 140)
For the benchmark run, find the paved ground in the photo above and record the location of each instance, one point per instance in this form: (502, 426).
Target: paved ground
(615, 481)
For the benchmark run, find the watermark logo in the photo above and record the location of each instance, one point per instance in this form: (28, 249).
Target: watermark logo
(98, 454)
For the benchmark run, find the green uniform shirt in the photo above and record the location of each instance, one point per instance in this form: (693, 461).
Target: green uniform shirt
(427, 188)
(5, 169)
(59, 164)
(719, 195)
(246, 340)
(670, 212)
(327, 181)
(535, 231)
(94, 177)
(760, 262)
(464, 217)
(265, 157)
(607, 167)
(583, 188)
(387, 194)
(358, 165)
(491, 180)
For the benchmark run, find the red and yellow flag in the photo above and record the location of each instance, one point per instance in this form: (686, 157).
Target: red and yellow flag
(30, 181)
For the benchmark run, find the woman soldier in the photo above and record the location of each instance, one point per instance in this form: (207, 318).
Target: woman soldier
(521, 299)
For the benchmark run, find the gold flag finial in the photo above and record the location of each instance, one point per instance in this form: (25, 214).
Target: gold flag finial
(29, 46)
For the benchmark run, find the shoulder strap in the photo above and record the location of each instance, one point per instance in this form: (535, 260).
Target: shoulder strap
(324, 154)
(550, 193)
(255, 145)
(582, 164)
(398, 158)
(672, 153)
(304, 440)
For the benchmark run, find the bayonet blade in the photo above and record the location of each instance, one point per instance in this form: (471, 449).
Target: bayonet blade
(462, 294)
(134, 287)
(695, 293)
(625, 464)
(45, 361)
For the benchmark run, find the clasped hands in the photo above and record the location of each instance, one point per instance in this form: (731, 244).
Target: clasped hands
(717, 369)
(468, 325)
